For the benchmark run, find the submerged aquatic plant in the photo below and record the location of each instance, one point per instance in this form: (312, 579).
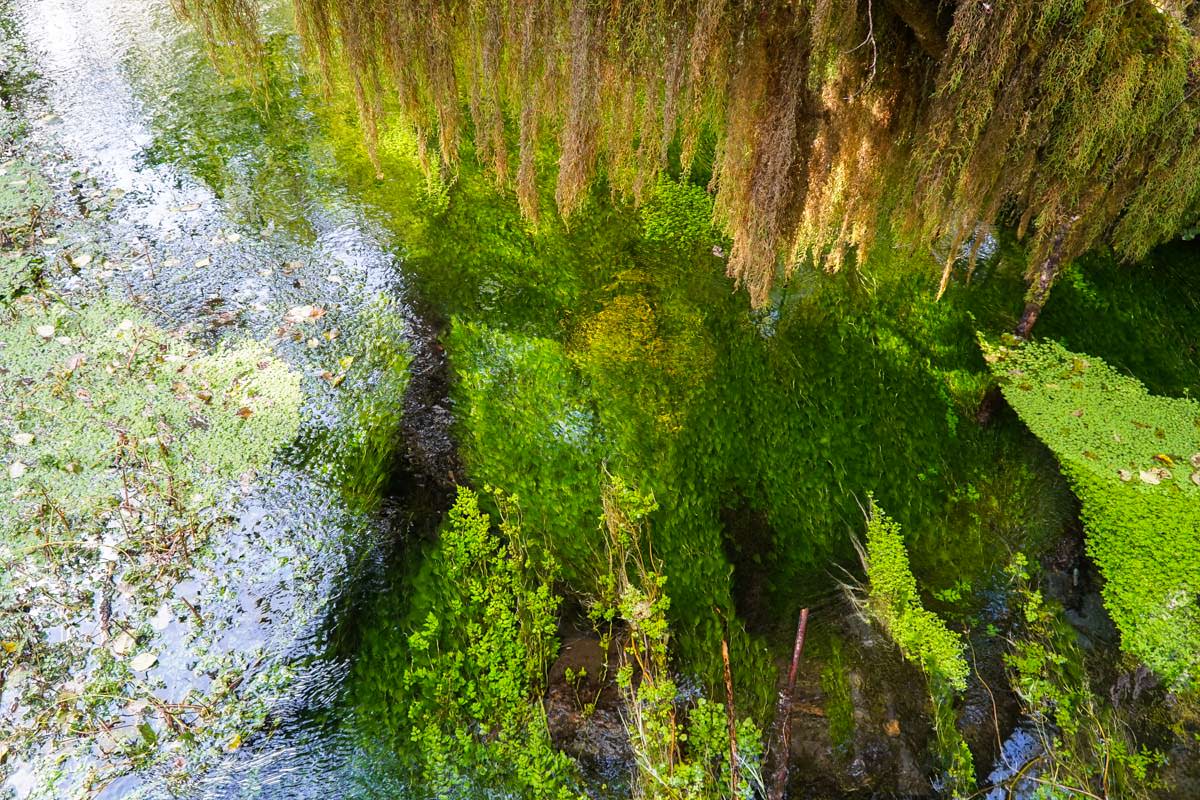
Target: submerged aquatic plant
(1088, 745)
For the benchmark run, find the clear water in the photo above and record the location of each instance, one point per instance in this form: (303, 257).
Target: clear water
(293, 570)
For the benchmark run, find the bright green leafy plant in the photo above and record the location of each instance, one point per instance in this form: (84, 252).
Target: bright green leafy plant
(893, 602)
(1134, 460)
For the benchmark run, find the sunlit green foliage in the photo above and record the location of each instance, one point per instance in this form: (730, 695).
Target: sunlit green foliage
(1076, 121)
(1134, 460)
(678, 754)
(1088, 743)
(461, 695)
(892, 600)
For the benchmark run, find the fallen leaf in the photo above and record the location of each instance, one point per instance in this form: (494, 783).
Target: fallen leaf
(1196, 460)
(1150, 477)
(1196, 478)
(1163, 458)
(337, 380)
(304, 313)
(76, 361)
(202, 263)
(345, 362)
(143, 661)
(45, 331)
(122, 644)
(1125, 475)
(189, 207)
(235, 742)
(9, 646)
(22, 439)
(244, 412)
(16, 469)
(81, 260)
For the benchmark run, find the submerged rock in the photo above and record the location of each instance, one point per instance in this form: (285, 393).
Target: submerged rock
(860, 722)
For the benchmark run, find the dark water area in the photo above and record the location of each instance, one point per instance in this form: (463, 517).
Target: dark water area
(540, 357)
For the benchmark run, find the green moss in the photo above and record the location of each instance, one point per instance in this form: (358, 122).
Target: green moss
(893, 601)
(1134, 460)
(524, 421)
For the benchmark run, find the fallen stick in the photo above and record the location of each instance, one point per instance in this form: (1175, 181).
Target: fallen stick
(730, 711)
(783, 716)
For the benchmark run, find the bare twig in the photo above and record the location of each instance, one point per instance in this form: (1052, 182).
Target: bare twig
(783, 715)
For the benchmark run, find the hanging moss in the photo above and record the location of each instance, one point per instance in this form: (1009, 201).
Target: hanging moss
(1134, 460)
(1077, 121)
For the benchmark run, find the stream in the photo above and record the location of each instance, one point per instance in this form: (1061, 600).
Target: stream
(286, 579)
(537, 358)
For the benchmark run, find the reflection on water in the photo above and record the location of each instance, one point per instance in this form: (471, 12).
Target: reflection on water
(231, 226)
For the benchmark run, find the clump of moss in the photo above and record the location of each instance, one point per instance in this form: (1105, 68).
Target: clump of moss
(893, 602)
(1134, 461)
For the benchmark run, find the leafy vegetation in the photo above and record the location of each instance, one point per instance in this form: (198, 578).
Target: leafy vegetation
(1088, 747)
(892, 601)
(1133, 459)
(465, 705)
(675, 758)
